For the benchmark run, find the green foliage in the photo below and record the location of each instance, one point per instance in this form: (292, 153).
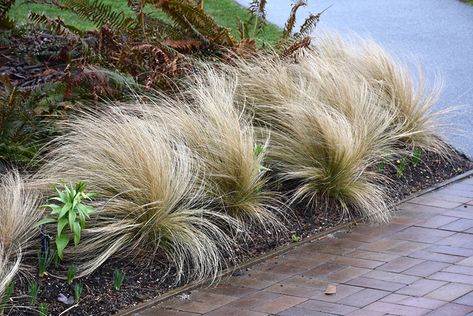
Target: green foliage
(193, 19)
(6, 22)
(401, 168)
(295, 238)
(99, 13)
(72, 214)
(33, 292)
(71, 272)
(118, 277)
(56, 25)
(43, 309)
(25, 120)
(5, 299)
(254, 24)
(380, 166)
(416, 156)
(45, 258)
(77, 291)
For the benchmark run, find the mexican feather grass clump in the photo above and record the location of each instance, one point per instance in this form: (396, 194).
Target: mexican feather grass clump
(407, 96)
(225, 141)
(335, 114)
(19, 210)
(150, 197)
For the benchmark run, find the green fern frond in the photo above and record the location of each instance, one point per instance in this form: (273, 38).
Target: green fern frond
(5, 22)
(55, 25)
(5, 6)
(291, 21)
(99, 13)
(192, 18)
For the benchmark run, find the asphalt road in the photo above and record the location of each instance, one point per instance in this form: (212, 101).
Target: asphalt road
(436, 33)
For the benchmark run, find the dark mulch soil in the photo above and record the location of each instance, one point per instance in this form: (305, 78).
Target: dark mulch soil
(145, 280)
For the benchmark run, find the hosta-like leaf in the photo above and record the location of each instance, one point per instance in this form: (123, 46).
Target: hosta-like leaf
(45, 221)
(61, 224)
(61, 244)
(72, 218)
(77, 231)
(65, 209)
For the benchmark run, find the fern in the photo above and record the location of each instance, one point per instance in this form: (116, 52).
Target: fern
(195, 21)
(55, 25)
(309, 25)
(161, 29)
(99, 13)
(256, 19)
(5, 6)
(291, 21)
(6, 22)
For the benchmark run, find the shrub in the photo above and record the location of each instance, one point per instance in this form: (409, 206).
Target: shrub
(18, 213)
(149, 201)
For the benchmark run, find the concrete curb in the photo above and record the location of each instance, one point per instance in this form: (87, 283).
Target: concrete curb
(278, 251)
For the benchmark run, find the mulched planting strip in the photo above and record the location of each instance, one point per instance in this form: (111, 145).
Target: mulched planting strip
(146, 278)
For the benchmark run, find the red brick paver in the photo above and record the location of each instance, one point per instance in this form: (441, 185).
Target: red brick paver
(419, 264)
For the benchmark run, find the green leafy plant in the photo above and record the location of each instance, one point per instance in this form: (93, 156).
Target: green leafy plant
(33, 292)
(295, 238)
(6, 22)
(71, 272)
(77, 291)
(118, 277)
(416, 156)
(401, 168)
(43, 309)
(5, 299)
(45, 258)
(72, 213)
(381, 167)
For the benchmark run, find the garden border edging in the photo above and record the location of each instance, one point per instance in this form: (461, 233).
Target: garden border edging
(278, 251)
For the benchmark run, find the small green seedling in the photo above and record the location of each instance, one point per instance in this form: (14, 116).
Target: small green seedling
(402, 167)
(77, 292)
(380, 167)
(70, 213)
(44, 261)
(33, 292)
(258, 150)
(295, 238)
(71, 273)
(118, 277)
(416, 156)
(7, 294)
(43, 309)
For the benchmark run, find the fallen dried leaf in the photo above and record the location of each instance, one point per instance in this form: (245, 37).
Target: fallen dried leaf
(331, 289)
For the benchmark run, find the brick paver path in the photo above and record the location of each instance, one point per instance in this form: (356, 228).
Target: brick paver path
(421, 263)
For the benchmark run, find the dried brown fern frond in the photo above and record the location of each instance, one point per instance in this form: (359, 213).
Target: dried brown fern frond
(309, 25)
(291, 20)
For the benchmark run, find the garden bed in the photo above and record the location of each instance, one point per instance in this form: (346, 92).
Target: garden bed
(145, 280)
